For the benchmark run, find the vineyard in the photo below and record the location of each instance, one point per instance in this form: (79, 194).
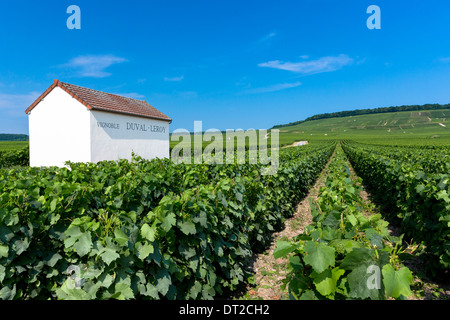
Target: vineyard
(413, 186)
(339, 253)
(143, 229)
(152, 229)
(11, 158)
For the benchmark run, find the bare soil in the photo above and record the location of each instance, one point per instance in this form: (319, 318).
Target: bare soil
(269, 272)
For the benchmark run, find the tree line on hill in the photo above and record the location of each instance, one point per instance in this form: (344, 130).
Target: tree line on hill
(358, 112)
(13, 137)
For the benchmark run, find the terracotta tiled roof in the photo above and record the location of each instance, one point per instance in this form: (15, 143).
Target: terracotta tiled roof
(98, 100)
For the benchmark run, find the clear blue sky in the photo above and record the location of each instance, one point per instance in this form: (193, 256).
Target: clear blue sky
(232, 64)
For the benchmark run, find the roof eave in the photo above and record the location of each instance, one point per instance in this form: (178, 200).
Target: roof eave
(57, 83)
(42, 96)
(131, 114)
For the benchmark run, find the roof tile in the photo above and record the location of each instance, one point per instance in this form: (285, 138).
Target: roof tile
(98, 100)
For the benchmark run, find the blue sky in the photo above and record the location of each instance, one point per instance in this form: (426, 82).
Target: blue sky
(232, 64)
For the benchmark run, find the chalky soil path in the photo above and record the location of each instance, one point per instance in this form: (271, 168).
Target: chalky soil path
(269, 272)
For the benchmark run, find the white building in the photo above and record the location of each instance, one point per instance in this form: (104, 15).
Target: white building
(72, 123)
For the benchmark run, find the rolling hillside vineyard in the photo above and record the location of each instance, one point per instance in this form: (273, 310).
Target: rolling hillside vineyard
(154, 229)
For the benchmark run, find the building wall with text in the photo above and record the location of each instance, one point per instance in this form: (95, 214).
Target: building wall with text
(116, 136)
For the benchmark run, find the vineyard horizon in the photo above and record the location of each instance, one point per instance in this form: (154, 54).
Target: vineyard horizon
(400, 127)
(154, 229)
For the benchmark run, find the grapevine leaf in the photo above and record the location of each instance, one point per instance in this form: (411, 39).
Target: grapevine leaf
(325, 282)
(4, 251)
(319, 255)
(396, 282)
(375, 238)
(125, 291)
(358, 261)
(187, 253)
(8, 293)
(193, 263)
(208, 292)
(151, 291)
(203, 219)
(105, 280)
(52, 259)
(148, 232)
(78, 294)
(144, 250)
(11, 219)
(168, 221)
(443, 195)
(283, 248)
(2, 273)
(73, 234)
(195, 290)
(66, 293)
(53, 205)
(120, 237)
(118, 202)
(351, 218)
(109, 255)
(308, 295)
(35, 204)
(344, 245)
(83, 245)
(19, 246)
(420, 188)
(331, 221)
(163, 282)
(5, 234)
(358, 282)
(187, 227)
(356, 258)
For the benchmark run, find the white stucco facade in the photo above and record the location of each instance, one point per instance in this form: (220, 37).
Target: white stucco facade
(116, 136)
(62, 129)
(59, 130)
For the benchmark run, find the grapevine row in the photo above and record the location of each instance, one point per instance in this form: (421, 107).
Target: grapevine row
(143, 229)
(344, 254)
(412, 187)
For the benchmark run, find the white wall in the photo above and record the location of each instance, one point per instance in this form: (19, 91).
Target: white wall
(115, 136)
(59, 130)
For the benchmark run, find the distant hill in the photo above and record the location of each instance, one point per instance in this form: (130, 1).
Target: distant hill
(401, 127)
(368, 111)
(13, 137)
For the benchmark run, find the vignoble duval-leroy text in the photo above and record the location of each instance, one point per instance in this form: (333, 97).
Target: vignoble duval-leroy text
(132, 126)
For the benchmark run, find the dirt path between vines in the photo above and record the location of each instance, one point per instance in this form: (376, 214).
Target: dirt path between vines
(269, 272)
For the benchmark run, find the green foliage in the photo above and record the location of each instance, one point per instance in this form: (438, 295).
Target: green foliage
(20, 157)
(338, 255)
(143, 229)
(412, 184)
